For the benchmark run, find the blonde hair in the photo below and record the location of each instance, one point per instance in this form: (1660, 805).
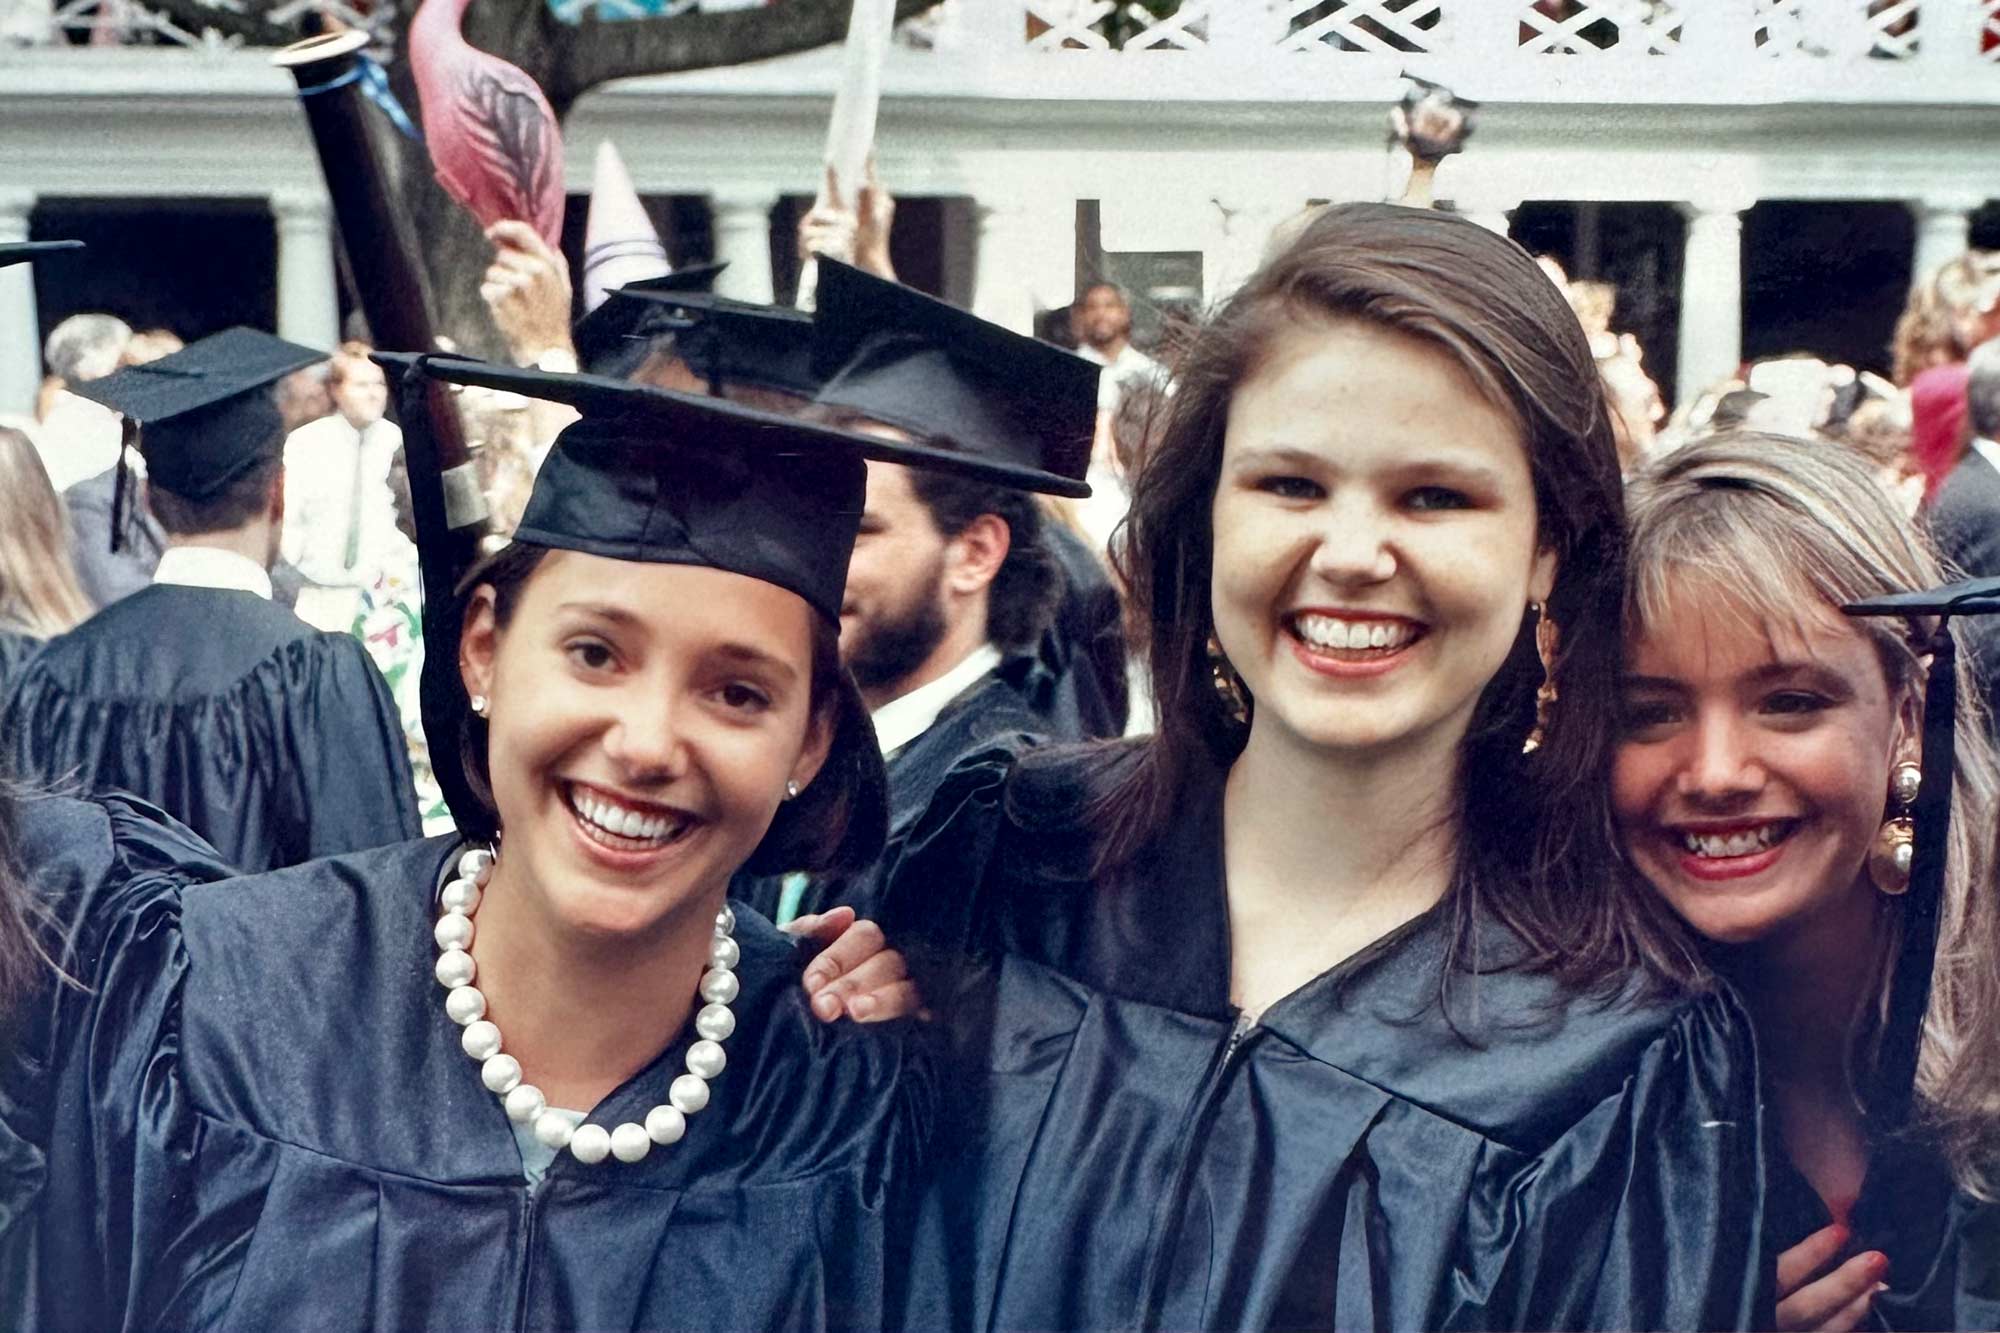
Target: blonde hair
(1940, 318)
(1785, 525)
(39, 592)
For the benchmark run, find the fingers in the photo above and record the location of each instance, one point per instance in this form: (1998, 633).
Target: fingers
(853, 943)
(1798, 1265)
(1848, 1290)
(822, 928)
(1855, 1312)
(897, 1000)
(511, 234)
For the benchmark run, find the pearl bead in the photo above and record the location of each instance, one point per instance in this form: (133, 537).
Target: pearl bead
(466, 1003)
(723, 953)
(525, 1103)
(714, 1022)
(481, 1040)
(665, 1125)
(725, 920)
(705, 1058)
(454, 931)
(688, 1094)
(500, 1073)
(455, 969)
(461, 895)
(553, 1130)
(629, 1142)
(717, 986)
(474, 861)
(590, 1144)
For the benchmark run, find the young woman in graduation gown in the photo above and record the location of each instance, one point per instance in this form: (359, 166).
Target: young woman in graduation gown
(270, 1112)
(1765, 782)
(1323, 1007)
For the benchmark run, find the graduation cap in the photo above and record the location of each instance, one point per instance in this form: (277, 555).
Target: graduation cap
(727, 342)
(26, 252)
(205, 413)
(1910, 987)
(615, 335)
(652, 475)
(904, 359)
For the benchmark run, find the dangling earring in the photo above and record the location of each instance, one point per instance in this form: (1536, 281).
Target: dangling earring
(1895, 842)
(1547, 637)
(479, 704)
(1228, 685)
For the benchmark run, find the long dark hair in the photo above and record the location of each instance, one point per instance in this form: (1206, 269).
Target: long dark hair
(1537, 848)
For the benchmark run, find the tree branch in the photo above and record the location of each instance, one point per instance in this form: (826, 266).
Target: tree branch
(586, 54)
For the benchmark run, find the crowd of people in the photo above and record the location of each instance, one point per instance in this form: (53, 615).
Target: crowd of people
(1360, 820)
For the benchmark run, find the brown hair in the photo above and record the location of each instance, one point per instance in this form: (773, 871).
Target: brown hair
(1536, 846)
(819, 831)
(39, 592)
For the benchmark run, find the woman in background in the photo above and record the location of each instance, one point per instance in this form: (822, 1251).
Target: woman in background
(39, 594)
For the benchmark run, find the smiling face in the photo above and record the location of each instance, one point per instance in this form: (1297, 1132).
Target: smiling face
(1753, 770)
(1375, 538)
(643, 722)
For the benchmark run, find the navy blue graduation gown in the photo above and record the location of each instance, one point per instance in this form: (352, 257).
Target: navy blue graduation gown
(1124, 1155)
(15, 650)
(275, 741)
(266, 1121)
(990, 712)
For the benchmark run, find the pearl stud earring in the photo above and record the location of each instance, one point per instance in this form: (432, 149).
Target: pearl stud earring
(479, 704)
(791, 789)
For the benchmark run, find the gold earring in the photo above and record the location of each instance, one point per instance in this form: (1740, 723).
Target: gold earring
(1547, 638)
(1228, 685)
(1895, 843)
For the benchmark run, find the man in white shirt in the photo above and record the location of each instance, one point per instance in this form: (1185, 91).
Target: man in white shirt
(340, 516)
(78, 438)
(1101, 321)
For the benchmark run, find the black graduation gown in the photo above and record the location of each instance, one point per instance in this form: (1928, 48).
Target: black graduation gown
(1943, 1245)
(74, 852)
(109, 575)
(15, 649)
(990, 712)
(267, 1122)
(1081, 689)
(275, 741)
(1125, 1156)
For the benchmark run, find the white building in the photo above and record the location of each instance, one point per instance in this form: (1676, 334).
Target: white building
(1202, 132)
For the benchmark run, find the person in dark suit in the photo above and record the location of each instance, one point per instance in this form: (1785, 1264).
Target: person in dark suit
(274, 741)
(1965, 518)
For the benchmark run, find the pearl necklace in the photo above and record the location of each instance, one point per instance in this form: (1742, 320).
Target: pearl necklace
(501, 1073)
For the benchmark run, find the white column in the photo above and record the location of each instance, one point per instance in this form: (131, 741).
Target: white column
(1026, 258)
(1235, 248)
(1711, 334)
(742, 222)
(308, 290)
(1494, 215)
(1944, 232)
(20, 334)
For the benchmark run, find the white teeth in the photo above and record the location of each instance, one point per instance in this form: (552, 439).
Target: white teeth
(621, 821)
(1331, 632)
(1731, 844)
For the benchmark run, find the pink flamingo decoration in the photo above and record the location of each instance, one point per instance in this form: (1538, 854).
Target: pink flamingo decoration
(494, 141)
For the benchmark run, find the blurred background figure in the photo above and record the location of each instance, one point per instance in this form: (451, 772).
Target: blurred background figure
(39, 595)
(340, 519)
(79, 438)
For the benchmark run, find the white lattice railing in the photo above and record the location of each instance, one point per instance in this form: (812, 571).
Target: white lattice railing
(1882, 29)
